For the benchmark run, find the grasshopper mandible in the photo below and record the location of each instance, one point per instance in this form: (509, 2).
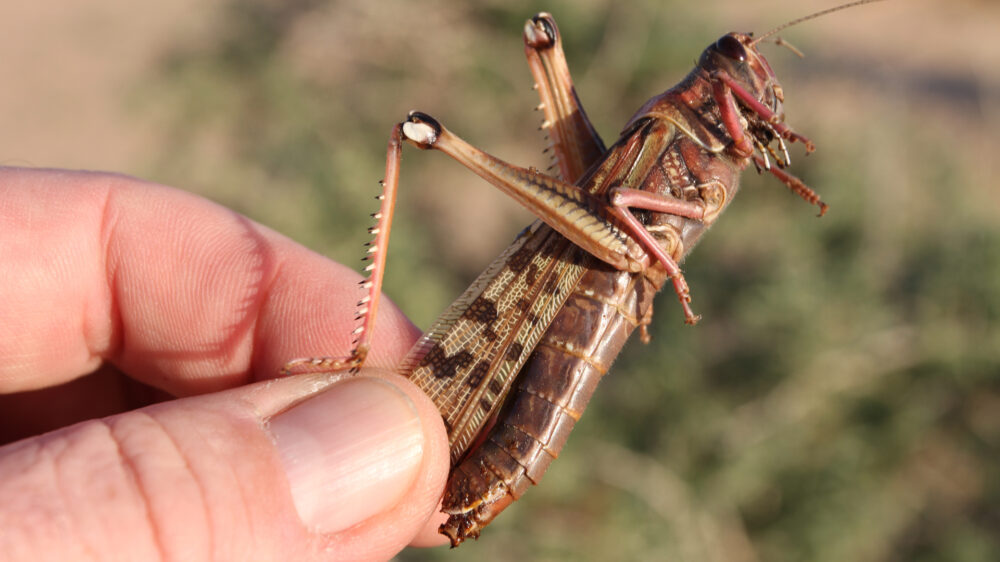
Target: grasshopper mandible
(513, 362)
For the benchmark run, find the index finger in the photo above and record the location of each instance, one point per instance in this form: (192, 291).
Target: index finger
(181, 293)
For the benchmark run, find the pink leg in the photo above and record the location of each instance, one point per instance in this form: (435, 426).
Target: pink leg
(368, 305)
(638, 231)
(796, 185)
(648, 201)
(623, 198)
(722, 93)
(722, 86)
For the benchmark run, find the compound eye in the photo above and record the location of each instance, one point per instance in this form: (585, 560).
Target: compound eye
(731, 48)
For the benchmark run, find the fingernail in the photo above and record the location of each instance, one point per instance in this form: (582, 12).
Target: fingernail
(349, 452)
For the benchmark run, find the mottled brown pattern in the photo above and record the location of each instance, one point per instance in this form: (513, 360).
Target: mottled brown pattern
(520, 259)
(515, 351)
(523, 313)
(531, 275)
(446, 366)
(488, 334)
(477, 373)
(495, 386)
(481, 310)
(551, 286)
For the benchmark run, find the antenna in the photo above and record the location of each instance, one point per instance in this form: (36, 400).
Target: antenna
(812, 16)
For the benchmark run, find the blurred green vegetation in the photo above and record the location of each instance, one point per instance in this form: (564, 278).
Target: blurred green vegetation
(840, 399)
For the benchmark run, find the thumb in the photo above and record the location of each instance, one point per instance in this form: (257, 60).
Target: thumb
(270, 471)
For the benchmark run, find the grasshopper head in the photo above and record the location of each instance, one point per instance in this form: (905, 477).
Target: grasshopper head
(736, 54)
(734, 58)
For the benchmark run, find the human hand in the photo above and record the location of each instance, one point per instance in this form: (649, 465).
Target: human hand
(116, 296)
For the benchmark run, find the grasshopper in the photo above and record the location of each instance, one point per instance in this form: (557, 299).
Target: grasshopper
(512, 363)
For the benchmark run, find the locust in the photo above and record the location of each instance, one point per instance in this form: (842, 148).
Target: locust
(513, 362)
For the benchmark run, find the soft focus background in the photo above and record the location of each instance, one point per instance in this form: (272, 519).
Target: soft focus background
(840, 399)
